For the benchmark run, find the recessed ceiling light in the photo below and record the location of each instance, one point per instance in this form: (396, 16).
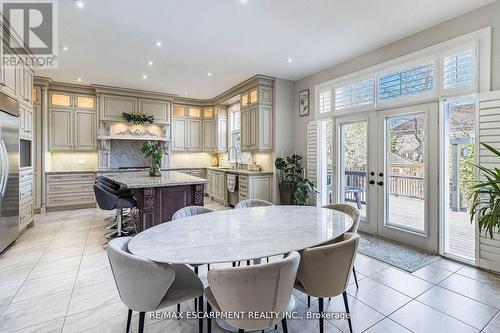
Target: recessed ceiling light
(243, 1)
(79, 79)
(290, 60)
(144, 76)
(65, 48)
(157, 43)
(209, 74)
(78, 3)
(185, 93)
(150, 63)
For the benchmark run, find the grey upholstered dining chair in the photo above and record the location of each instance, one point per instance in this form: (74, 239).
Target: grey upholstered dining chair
(145, 286)
(260, 288)
(249, 203)
(191, 211)
(324, 271)
(353, 212)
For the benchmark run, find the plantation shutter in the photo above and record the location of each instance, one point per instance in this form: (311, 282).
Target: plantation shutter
(312, 158)
(489, 132)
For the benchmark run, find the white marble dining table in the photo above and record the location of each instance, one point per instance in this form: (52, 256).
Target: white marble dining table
(239, 234)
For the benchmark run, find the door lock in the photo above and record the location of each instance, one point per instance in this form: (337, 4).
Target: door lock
(380, 183)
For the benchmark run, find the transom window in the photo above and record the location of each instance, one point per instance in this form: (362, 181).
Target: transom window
(412, 81)
(355, 94)
(325, 101)
(458, 69)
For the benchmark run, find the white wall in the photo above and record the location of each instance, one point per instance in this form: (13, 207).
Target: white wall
(480, 18)
(283, 124)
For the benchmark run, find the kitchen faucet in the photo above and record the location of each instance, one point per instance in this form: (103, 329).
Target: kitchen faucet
(235, 155)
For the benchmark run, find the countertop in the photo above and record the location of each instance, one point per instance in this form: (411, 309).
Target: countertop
(104, 171)
(168, 178)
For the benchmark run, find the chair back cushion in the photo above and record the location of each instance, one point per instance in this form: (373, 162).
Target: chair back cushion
(105, 199)
(324, 271)
(265, 287)
(352, 211)
(141, 283)
(249, 203)
(190, 211)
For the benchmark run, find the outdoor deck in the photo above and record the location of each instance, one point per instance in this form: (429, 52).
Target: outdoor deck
(408, 212)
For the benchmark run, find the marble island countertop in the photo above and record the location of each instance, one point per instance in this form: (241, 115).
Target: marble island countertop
(142, 179)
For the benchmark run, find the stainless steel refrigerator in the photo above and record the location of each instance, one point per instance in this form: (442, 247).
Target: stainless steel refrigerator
(9, 171)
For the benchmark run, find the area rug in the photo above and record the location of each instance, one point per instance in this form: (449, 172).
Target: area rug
(402, 256)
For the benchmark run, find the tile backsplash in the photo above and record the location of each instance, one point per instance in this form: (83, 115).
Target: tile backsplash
(127, 153)
(71, 161)
(180, 159)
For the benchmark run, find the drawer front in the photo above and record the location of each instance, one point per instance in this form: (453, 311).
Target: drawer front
(79, 188)
(68, 200)
(25, 194)
(25, 215)
(25, 176)
(74, 177)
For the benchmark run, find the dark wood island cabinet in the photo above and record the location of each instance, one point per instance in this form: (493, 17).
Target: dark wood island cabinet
(158, 198)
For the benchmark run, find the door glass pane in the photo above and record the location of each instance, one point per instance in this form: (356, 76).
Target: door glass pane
(85, 102)
(60, 100)
(327, 172)
(253, 96)
(459, 176)
(405, 172)
(208, 112)
(195, 112)
(354, 160)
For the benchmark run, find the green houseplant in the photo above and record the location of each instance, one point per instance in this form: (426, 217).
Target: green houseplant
(294, 187)
(138, 118)
(486, 198)
(153, 149)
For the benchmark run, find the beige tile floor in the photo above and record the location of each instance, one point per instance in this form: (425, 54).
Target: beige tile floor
(56, 278)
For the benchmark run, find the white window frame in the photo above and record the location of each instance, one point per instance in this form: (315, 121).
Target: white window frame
(358, 108)
(423, 97)
(332, 99)
(482, 40)
(460, 90)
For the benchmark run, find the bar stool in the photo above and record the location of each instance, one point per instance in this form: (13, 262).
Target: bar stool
(108, 199)
(116, 189)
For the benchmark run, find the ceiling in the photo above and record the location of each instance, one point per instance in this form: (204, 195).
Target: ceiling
(111, 41)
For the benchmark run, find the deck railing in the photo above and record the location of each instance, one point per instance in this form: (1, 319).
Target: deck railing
(403, 186)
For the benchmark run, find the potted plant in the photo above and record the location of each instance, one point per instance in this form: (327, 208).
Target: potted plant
(295, 189)
(153, 149)
(486, 198)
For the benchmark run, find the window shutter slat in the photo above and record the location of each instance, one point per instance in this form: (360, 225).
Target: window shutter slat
(407, 82)
(355, 94)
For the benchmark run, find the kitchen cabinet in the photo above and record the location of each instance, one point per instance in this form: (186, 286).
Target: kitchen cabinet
(255, 187)
(215, 129)
(25, 122)
(160, 110)
(72, 122)
(10, 81)
(217, 185)
(112, 107)
(187, 134)
(256, 119)
(26, 212)
(70, 190)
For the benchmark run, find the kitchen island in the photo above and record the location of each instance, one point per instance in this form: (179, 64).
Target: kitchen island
(158, 198)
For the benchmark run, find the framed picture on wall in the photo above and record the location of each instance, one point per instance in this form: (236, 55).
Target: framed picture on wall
(304, 103)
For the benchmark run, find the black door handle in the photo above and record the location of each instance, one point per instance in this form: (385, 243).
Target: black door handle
(381, 174)
(372, 182)
(380, 183)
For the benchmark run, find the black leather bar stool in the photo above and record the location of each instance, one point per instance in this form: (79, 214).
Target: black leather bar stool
(113, 187)
(109, 199)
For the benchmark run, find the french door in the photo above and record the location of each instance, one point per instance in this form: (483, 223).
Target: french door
(388, 168)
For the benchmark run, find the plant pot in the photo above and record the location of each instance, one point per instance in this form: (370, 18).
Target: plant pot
(286, 196)
(154, 170)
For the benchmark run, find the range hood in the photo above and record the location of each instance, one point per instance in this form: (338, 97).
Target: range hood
(126, 131)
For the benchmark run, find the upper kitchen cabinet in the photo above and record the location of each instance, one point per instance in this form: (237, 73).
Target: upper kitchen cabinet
(256, 119)
(158, 109)
(112, 107)
(116, 101)
(215, 129)
(187, 128)
(72, 121)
